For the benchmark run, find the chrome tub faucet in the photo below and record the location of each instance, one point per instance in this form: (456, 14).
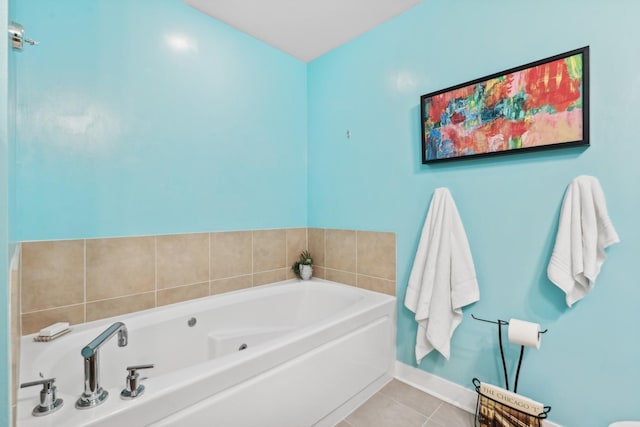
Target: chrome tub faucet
(93, 394)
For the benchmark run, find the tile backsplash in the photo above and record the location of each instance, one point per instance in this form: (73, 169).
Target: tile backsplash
(88, 279)
(365, 259)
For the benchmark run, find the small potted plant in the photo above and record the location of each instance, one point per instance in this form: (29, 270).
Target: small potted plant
(303, 268)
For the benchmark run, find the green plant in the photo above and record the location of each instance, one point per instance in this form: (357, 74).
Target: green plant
(305, 258)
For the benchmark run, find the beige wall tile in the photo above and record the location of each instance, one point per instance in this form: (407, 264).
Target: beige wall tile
(316, 245)
(340, 276)
(183, 259)
(449, 415)
(272, 276)
(340, 250)
(319, 272)
(231, 254)
(378, 285)
(183, 293)
(118, 306)
(52, 274)
(119, 267)
(377, 254)
(33, 322)
(269, 250)
(296, 243)
(232, 284)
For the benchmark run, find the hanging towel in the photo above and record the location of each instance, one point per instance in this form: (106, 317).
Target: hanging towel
(584, 231)
(443, 278)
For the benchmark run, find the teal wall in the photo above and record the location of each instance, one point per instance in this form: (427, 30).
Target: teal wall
(586, 368)
(148, 117)
(7, 205)
(5, 337)
(121, 134)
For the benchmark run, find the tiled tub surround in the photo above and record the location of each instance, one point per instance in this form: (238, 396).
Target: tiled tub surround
(365, 259)
(83, 280)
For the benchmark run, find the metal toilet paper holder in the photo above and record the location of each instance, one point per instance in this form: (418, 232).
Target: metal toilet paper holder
(500, 324)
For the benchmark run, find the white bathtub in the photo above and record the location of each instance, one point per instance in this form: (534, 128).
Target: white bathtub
(314, 351)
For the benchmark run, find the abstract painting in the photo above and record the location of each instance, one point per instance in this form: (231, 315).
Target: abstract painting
(536, 106)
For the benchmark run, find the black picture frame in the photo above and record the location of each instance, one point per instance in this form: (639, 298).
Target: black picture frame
(536, 106)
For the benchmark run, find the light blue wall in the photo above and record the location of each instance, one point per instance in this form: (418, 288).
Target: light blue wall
(587, 368)
(5, 337)
(6, 216)
(121, 132)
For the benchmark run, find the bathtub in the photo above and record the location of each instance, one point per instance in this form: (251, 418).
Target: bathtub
(287, 354)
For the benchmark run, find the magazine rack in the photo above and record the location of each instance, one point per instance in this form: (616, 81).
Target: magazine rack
(492, 413)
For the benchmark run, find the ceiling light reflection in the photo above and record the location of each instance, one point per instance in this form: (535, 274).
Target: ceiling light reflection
(181, 43)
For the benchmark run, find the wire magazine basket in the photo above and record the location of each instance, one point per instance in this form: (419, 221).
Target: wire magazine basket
(492, 412)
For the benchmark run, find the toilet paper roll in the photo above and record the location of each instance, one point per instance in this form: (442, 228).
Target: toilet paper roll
(524, 333)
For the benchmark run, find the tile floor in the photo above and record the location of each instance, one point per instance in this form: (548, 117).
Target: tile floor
(400, 405)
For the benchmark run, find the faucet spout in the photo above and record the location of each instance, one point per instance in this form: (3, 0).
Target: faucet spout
(94, 394)
(123, 338)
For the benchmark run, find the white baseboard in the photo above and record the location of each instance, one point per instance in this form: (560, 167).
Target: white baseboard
(445, 390)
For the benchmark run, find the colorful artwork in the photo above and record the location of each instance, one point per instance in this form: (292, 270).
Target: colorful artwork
(539, 105)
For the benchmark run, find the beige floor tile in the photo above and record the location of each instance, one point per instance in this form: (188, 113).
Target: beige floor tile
(400, 405)
(411, 397)
(449, 416)
(382, 411)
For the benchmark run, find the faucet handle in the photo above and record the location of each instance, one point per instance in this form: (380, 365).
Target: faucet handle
(133, 389)
(132, 369)
(48, 401)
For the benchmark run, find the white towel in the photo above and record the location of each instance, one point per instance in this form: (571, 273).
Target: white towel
(443, 278)
(584, 231)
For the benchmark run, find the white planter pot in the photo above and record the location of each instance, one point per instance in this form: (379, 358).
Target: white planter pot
(306, 271)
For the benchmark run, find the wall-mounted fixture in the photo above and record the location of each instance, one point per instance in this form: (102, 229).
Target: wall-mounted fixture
(16, 31)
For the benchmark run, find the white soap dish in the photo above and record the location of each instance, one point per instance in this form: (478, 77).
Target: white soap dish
(52, 332)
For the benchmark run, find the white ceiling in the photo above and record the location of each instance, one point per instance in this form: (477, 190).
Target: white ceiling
(305, 29)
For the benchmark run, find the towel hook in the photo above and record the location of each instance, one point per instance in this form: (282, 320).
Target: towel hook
(16, 32)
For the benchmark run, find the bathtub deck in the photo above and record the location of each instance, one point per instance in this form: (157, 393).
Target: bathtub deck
(400, 405)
